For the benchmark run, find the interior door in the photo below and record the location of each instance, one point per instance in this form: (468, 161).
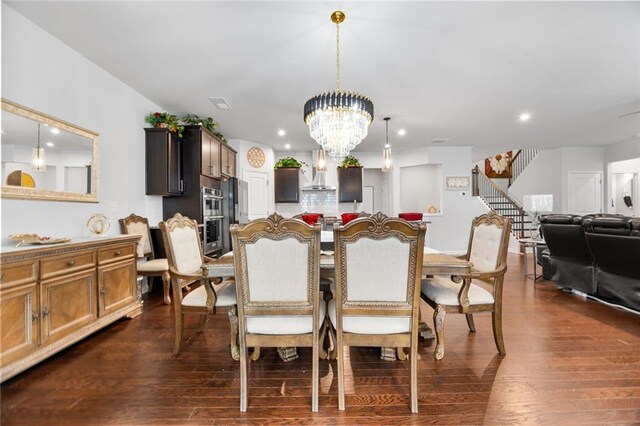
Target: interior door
(585, 192)
(368, 201)
(258, 194)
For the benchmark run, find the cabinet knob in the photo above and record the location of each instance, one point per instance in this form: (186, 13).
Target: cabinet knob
(117, 253)
(102, 291)
(34, 316)
(45, 312)
(71, 262)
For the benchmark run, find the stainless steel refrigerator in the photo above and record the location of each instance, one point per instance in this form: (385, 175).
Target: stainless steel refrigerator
(235, 207)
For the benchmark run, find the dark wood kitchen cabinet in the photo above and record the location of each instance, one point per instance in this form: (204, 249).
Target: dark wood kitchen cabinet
(350, 184)
(227, 160)
(163, 162)
(287, 185)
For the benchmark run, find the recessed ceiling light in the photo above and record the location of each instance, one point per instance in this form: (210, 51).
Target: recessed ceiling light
(287, 146)
(281, 132)
(402, 132)
(50, 144)
(524, 116)
(55, 131)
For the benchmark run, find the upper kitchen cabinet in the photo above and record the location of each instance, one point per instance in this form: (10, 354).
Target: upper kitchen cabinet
(287, 184)
(227, 160)
(205, 145)
(163, 162)
(350, 184)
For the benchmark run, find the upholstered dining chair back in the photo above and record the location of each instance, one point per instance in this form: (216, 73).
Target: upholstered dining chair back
(138, 225)
(378, 264)
(182, 243)
(277, 267)
(488, 242)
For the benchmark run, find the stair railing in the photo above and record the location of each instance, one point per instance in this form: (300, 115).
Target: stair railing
(520, 161)
(484, 187)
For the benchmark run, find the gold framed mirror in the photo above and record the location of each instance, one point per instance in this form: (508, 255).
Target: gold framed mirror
(45, 158)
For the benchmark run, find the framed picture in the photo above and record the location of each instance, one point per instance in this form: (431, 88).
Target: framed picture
(498, 166)
(457, 182)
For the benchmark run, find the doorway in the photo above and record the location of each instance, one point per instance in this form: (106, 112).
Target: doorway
(258, 194)
(585, 192)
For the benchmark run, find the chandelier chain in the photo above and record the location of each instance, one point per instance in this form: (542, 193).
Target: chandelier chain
(337, 57)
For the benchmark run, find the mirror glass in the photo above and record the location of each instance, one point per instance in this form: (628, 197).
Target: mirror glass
(63, 168)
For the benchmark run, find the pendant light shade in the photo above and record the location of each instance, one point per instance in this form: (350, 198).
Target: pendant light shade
(38, 160)
(321, 160)
(338, 120)
(386, 153)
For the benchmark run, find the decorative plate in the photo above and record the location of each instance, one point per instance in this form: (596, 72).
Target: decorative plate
(255, 157)
(36, 239)
(98, 224)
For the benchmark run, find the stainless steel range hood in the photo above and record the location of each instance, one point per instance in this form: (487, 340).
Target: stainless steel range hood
(318, 183)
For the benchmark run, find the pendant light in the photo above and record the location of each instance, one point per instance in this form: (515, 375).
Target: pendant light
(321, 160)
(338, 120)
(386, 153)
(38, 161)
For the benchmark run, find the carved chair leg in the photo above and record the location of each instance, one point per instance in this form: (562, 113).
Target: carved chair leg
(413, 359)
(166, 286)
(322, 352)
(438, 322)
(201, 321)
(233, 333)
(243, 355)
(402, 356)
(470, 323)
(340, 347)
(315, 375)
(255, 355)
(496, 316)
(177, 344)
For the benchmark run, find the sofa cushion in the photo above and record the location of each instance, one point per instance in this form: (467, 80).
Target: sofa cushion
(612, 225)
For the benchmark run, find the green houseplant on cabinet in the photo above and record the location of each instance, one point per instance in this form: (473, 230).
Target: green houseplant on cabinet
(350, 180)
(166, 121)
(287, 180)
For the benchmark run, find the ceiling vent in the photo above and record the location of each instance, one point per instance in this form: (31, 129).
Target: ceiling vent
(220, 102)
(438, 141)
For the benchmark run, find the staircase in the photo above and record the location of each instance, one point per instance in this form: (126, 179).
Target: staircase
(497, 200)
(520, 161)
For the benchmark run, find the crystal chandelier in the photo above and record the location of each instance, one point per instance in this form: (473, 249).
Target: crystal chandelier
(386, 153)
(38, 161)
(338, 120)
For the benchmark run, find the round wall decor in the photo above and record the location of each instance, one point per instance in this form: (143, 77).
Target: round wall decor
(255, 157)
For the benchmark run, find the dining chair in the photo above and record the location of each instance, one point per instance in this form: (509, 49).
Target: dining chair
(378, 263)
(138, 225)
(187, 266)
(277, 267)
(487, 251)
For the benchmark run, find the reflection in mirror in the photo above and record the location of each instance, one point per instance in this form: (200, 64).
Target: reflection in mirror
(45, 158)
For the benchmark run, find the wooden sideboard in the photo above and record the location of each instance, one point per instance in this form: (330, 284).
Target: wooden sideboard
(55, 295)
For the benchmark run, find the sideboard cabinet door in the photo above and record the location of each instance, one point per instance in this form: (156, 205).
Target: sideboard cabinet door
(117, 286)
(19, 322)
(67, 304)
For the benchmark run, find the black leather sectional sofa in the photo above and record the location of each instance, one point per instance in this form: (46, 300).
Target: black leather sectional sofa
(595, 254)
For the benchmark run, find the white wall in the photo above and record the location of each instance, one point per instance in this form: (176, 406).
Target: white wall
(541, 176)
(421, 188)
(42, 73)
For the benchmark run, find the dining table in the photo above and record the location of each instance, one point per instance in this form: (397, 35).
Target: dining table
(434, 262)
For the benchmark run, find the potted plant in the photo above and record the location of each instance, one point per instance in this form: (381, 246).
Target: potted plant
(350, 161)
(288, 162)
(207, 123)
(165, 120)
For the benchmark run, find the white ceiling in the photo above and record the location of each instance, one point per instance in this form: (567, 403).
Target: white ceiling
(459, 71)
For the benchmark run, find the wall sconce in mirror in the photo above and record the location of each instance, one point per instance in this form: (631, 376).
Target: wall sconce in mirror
(67, 170)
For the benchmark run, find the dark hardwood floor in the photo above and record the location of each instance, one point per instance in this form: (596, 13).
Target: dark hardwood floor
(569, 361)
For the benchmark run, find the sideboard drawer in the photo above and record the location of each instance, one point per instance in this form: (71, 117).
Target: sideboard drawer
(116, 254)
(58, 265)
(18, 273)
